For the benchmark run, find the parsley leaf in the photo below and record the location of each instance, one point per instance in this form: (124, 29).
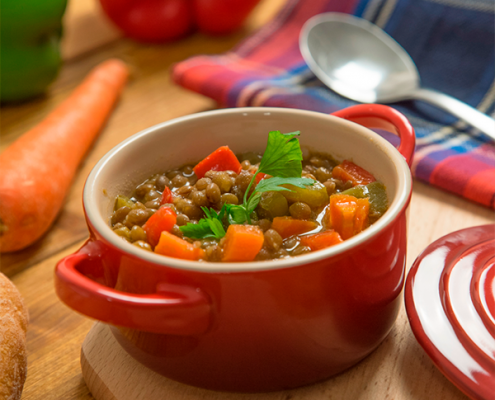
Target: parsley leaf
(237, 215)
(283, 155)
(274, 184)
(201, 230)
(252, 203)
(209, 227)
(216, 227)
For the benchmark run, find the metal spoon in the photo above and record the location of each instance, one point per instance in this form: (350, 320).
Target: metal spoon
(358, 60)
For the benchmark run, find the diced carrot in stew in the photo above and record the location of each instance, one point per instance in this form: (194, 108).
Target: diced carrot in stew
(348, 171)
(288, 226)
(348, 214)
(242, 243)
(222, 159)
(162, 220)
(361, 219)
(318, 241)
(173, 246)
(167, 196)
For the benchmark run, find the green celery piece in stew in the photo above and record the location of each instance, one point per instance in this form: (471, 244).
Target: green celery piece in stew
(123, 201)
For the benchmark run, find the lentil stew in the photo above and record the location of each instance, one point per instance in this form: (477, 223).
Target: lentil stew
(251, 207)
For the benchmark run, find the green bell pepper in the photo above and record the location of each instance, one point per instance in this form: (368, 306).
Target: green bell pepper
(30, 32)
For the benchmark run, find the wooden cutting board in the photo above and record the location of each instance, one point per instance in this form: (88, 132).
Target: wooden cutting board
(112, 374)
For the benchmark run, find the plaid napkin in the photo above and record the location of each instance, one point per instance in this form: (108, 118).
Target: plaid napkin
(451, 41)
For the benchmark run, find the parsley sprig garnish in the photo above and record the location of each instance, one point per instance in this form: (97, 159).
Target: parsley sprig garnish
(209, 227)
(282, 160)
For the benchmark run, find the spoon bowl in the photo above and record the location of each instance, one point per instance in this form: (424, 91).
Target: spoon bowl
(358, 60)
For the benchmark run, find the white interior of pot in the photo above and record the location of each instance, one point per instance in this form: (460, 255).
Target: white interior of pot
(189, 139)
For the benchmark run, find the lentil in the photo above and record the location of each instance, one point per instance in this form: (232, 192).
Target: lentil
(143, 245)
(273, 240)
(182, 219)
(264, 224)
(223, 181)
(155, 204)
(229, 198)
(137, 233)
(120, 214)
(199, 198)
(123, 232)
(179, 180)
(162, 182)
(246, 164)
(300, 210)
(137, 216)
(213, 192)
(143, 189)
(330, 186)
(203, 183)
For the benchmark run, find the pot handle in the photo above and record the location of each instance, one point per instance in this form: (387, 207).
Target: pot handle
(383, 117)
(173, 309)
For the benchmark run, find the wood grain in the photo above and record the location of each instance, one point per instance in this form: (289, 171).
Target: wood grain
(434, 213)
(398, 370)
(111, 374)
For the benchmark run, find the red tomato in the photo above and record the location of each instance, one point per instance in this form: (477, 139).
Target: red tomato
(151, 20)
(219, 17)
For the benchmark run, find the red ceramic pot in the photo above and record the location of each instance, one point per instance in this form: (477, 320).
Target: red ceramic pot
(254, 326)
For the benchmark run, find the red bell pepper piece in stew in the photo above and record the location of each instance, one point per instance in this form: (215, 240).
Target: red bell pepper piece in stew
(162, 220)
(167, 196)
(348, 171)
(222, 159)
(348, 214)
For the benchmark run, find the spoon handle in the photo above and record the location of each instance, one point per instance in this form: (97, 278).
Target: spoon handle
(456, 107)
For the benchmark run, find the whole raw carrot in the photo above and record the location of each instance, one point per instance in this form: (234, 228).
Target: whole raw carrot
(37, 169)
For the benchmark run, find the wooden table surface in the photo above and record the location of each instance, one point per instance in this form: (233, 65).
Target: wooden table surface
(398, 369)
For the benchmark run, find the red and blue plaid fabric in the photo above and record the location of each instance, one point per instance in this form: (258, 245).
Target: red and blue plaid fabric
(451, 41)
